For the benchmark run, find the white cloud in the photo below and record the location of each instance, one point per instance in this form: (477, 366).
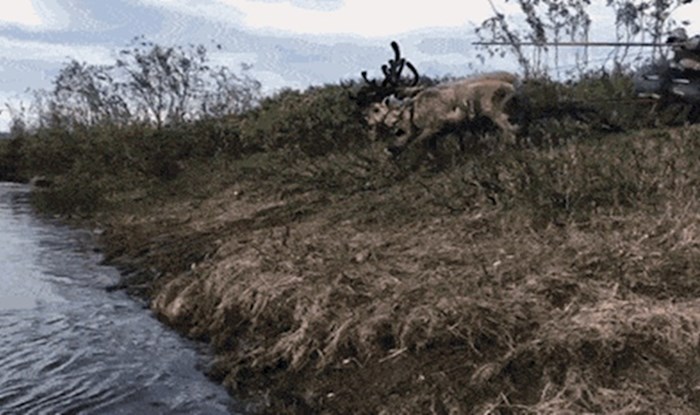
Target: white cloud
(691, 13)
(208, 9)
(367, 18)
(51, 52)
(604, 19)
(36, 15)
(22, 13)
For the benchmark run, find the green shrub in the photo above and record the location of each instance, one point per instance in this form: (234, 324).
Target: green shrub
(10, 159)
(317, 121)
(52, 151)
(78, 194)
(597, 103)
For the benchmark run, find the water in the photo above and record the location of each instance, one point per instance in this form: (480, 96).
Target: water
(67, 346)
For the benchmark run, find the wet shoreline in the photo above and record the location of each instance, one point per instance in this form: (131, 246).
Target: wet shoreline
(69, 344)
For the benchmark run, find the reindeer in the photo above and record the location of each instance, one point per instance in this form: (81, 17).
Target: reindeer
(377, 112)
(429, 112)
(417, 113)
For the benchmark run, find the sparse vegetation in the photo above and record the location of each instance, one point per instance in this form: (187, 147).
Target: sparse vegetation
(545, 23)
(557, 277)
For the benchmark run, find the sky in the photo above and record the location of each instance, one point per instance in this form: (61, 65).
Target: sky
(289, 43)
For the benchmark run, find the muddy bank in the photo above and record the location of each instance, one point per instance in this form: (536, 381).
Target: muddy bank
(537, 282)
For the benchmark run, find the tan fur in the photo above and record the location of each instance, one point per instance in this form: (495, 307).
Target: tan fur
(430, 110)
(388, 112)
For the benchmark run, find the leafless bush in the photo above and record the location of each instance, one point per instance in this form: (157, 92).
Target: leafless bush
(148, 84)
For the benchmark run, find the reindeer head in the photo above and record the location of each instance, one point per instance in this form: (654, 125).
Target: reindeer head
(377, 112)
(379, 99)
(385, 115)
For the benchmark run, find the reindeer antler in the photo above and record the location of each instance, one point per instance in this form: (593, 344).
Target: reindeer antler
(413, 70)
(372, 82)
(392, 82)
(392, 71)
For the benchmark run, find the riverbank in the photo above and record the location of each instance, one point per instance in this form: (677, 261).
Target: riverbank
(518, 281)
(556, 277)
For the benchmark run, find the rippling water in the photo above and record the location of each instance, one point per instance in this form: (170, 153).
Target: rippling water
(67, 346)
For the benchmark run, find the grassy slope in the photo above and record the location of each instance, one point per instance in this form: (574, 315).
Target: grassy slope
(536, 280)
(518, 281)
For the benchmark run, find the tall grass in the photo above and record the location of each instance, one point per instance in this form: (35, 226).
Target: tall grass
(517, 281)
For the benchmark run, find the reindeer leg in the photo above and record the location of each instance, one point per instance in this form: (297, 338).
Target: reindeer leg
(500, 117)
(462, 146)
(694, 113)
(428, 139)
(497, 114)
(431, 143)
(404, 140)
(395, 148)
(509, 130)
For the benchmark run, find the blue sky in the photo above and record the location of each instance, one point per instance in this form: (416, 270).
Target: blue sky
(292, 43)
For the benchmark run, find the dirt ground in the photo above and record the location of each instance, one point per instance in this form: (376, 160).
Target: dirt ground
(423, 297)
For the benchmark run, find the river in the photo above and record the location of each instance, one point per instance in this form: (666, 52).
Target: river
(68, 346)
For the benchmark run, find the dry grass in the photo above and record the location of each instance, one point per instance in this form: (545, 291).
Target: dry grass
(527, 282)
